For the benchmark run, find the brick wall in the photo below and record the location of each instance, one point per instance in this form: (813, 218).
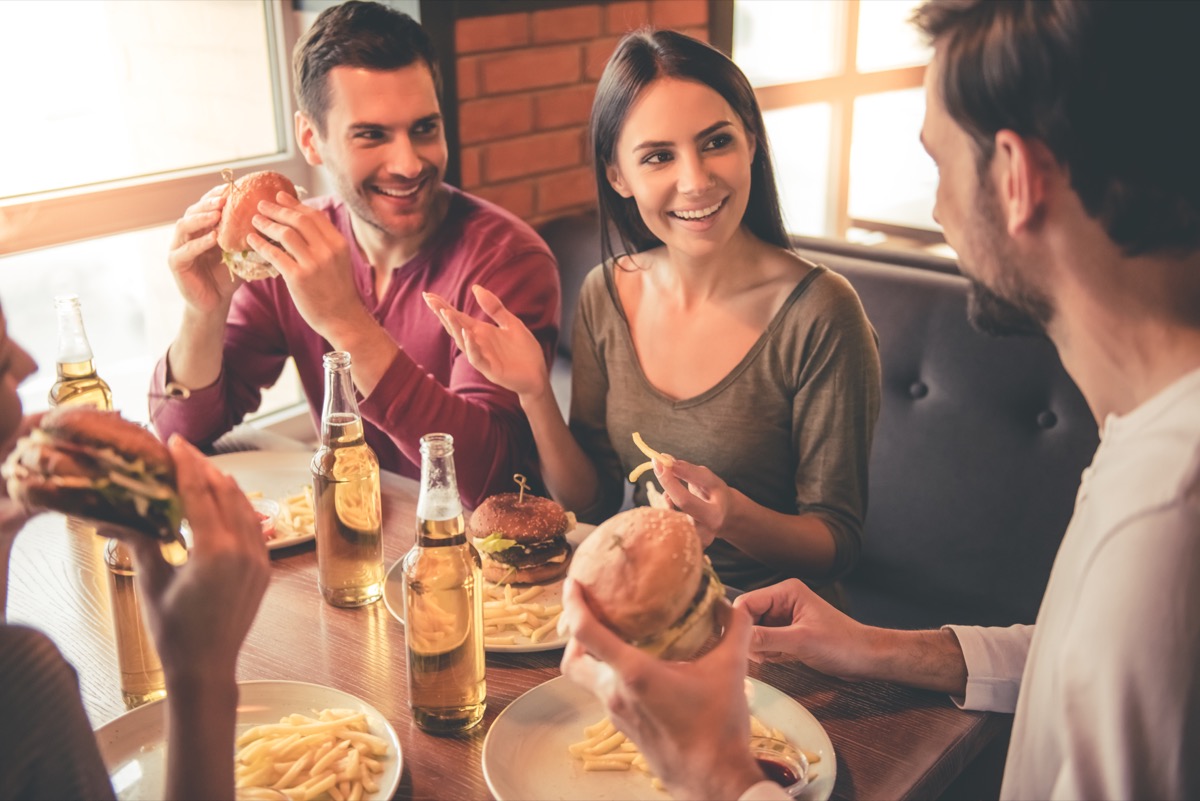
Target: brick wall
(525, 87)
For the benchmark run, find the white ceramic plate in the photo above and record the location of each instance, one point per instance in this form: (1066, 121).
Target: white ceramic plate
(536, 729)
(393, 599)
(133, 745)
(277, 475)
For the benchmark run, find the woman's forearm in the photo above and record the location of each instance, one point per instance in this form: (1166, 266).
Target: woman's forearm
(569, 474)
(801, 545)
(201, 715)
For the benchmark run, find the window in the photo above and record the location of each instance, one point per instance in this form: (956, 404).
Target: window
(840, 83)
(153, 101)
(104, 149)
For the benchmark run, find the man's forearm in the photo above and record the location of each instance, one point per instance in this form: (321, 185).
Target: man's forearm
(196, 354)
(371, 349)
(929, 660)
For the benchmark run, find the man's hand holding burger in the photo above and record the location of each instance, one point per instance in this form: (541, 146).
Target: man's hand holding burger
(690, 719)
(314, 259)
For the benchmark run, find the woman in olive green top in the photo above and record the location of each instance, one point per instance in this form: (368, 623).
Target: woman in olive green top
(755, 368)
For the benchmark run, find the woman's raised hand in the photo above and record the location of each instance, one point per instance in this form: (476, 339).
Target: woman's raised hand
(506, 353)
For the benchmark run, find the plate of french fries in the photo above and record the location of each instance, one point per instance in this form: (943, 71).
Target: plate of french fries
(280, 476)
(520, 618)
(304, 741)
(561, 727)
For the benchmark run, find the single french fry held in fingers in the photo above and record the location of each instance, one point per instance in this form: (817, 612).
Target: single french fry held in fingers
(651, 455)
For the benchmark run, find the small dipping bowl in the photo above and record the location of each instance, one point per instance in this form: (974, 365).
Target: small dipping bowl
(268, 513)
(781, 762)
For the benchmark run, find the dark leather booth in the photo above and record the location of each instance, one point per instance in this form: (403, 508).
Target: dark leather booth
(977, 453)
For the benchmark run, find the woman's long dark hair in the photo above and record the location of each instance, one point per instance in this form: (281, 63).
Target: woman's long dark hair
(640, 58)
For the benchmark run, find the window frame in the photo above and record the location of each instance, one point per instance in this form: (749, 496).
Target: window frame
(839, 91)
(60, 217)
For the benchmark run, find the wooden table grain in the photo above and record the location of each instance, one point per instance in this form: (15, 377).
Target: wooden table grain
(891, 742)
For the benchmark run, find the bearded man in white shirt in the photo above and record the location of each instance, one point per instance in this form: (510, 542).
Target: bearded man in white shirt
(1069, 184)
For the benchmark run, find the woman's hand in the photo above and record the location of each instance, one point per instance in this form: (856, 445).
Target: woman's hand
(506, 353)
(690, 719)
(200, 613)
(13, 515)
(696, 491)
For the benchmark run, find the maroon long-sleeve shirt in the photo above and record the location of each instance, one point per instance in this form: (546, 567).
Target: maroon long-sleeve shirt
(430, 386)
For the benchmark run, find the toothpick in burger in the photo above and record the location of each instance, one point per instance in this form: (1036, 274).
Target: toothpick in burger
(647, 579)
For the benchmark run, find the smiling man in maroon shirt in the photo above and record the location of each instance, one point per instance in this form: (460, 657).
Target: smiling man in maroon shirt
(354, 266)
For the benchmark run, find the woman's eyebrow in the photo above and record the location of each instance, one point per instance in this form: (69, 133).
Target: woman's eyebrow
(649, 144)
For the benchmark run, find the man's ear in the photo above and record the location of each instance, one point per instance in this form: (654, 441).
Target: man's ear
(1021, 166)
(617, 182)
(306, 133)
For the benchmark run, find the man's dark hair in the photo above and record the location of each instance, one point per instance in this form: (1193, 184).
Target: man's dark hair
(356, 33)
(640, 58)
(1106, 86)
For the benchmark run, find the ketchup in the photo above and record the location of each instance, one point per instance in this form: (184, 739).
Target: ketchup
(781, 774)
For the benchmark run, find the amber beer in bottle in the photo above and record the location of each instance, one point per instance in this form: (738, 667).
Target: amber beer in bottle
(78, 384)
(345, 474)
(443, 602)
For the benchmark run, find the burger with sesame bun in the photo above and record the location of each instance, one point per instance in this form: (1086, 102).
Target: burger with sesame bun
(243, 196)
(647, 579)
(521, 538)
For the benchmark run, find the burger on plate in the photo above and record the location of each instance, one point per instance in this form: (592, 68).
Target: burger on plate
(240, 207)
(521, 538)
(647, 579)
(94, 464)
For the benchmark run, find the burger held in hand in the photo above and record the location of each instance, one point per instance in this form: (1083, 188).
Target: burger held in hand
(647, 579)
(241, 204)
(98, 465)
(521, 538)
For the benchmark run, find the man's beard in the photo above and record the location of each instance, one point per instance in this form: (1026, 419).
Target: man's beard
(1021, 310)
(993, 315)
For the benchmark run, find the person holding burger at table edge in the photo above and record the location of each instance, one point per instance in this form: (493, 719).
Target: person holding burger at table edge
(198, 614)
(352, 268)
(704, 332)
(1070, 187)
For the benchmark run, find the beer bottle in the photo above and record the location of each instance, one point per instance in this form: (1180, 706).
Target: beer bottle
(345, 475)
(142, 678)
(77, 383)
(443, 602)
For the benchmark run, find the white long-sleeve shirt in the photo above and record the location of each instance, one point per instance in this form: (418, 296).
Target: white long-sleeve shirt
(1106, 685)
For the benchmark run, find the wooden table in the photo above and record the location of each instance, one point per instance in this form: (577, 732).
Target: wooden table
(890, 742)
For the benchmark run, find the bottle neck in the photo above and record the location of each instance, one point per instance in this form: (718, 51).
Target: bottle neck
(341, 424)
(439, 509)
(70, 370)
(73, 345)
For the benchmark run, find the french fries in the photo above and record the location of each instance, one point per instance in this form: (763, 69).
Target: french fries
(509, 614)
(296, 515)
(329, 756)
(651, 455)
(605, 748)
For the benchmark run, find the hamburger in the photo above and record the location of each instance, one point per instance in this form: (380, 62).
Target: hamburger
(241, 205)
(647, 579)
(521, 539)
(98, 465)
